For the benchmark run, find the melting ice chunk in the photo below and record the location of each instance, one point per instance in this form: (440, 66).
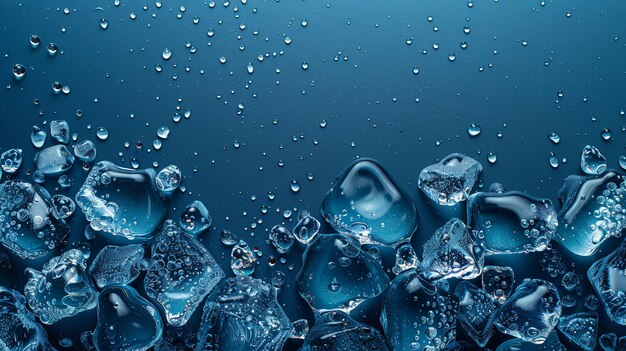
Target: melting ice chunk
(242, 259)
(365, 202)
(117, 265)
(180, 274)
(511, 222)
(608, 278)
(498, 281)
(126, 321)
(27, 226)
(337, 331)
(242, 314)
(591, 161)
(60, 131)
(552, 343)
(451, 252)
(307, 227)
(122, 201)
(405, 258)
(195, 218)
(591, 211)
(38, 137)
(608, 341)
(477, 311)
(417, 315)
(531, 312)
(62, 289)
(85, 151)
(11, 160)
(281, 238)
(18, 328)
(168, 179)
(337, 274)
(451, 180)
(581, 329)
(54, 160)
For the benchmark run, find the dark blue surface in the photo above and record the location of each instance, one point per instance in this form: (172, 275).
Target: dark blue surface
(359, 80)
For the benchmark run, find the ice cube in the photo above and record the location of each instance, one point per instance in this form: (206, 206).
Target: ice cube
(54, 160)
(511, 222)
(451, 252)
(336, 331)
(451, 180)
(180, 274)
(591, 211)
(608, 278)
(27, 225)
(531, 312)
(60, 131)
(337, 274)
(242, 314)
(365, 202)
(117, 265)
(126, 321)
(122, 201)
(417, 315)
(581, 329)
(62, 289)
(477, 311)
(498, 281)
(592, 161)
(18, 328)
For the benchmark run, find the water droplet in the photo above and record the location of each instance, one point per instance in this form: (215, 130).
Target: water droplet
(104, 24)
(474, 130)
(19, 71)
(167, 54)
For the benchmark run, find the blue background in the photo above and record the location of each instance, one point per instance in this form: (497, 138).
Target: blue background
(359, 81)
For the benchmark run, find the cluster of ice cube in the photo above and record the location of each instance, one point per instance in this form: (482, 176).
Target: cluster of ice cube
(422, 304)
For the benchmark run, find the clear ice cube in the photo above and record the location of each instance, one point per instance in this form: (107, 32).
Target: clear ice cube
(180, 274)
(242, 314)
(336, 331)
(406, 259)
(307, 227)
(38, 137)
(511, 222)
(54, 160)
(62, 289)
(337, 274)
(126, 321)
(552, 343)
(27, 226)
(451, 252)
(122, 201)
(608, 341)
(531, 312)
(417, 315)
(242, 259)
(117, 265)
(60, 131)
(11, 160)
(477, 311)
(592, 161)
(581, 329)
(366, 202)
(281, 238)
(498, 281)
(85, 151)
(18, 329)
(591, 211)
(195, 219)
(168, 179)
(451, 180)
(608, 278)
